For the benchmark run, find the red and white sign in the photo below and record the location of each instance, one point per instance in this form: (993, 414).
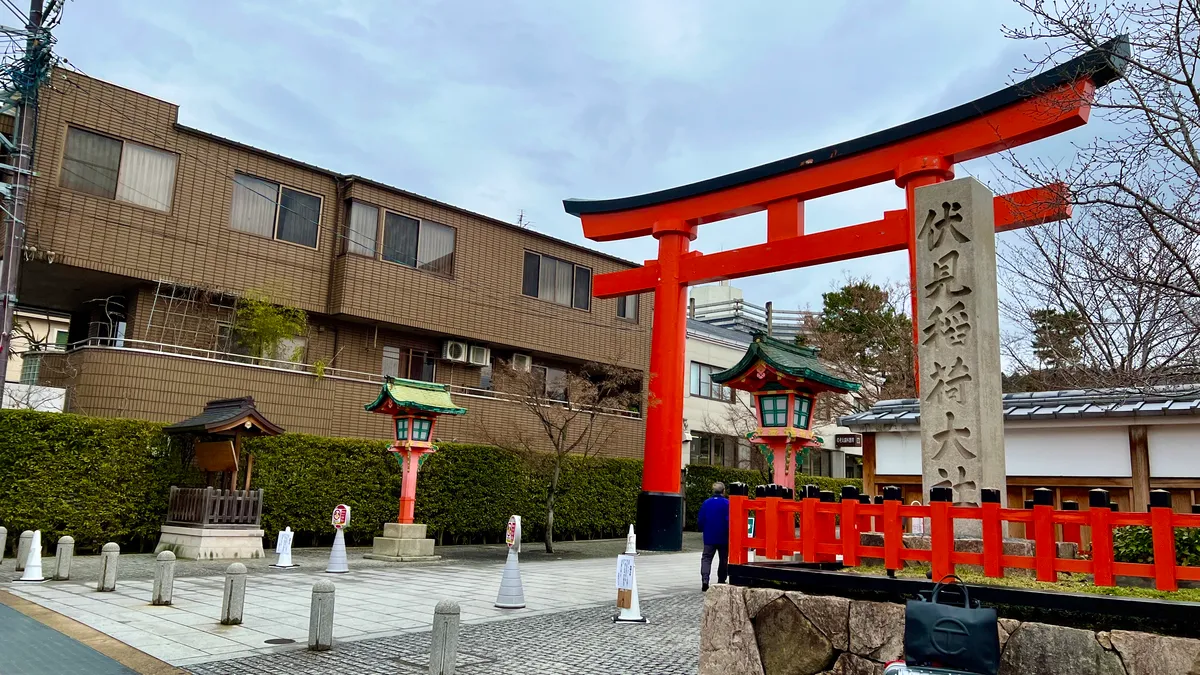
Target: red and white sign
(512, 535)
(341, 516)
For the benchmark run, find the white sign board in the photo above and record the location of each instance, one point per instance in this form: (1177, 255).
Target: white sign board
(284, 543)
(512, 535)
(625, 572)
(341, 516)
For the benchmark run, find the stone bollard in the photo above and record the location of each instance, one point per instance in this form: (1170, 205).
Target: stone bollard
(234, 598)
(443, 646)
(108, 567)
(164, 579)
(62, 558)
(23, 549)
(320, 617)
(3, 542)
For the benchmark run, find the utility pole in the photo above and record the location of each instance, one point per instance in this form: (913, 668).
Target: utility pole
(36, 61)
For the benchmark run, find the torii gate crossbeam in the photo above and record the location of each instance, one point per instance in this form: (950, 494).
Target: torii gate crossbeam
(914, 154)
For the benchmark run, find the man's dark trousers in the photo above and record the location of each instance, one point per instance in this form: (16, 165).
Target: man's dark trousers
(722, 553)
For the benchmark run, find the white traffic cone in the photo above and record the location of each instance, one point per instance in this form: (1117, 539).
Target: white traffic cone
(33, 562)
(627, 583)
(337, 556)
(283, 546)
(512, 593)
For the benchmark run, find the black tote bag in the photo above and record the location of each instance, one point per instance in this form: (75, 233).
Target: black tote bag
(951, 636)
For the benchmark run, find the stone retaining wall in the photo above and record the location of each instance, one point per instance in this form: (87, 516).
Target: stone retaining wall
(755, 631)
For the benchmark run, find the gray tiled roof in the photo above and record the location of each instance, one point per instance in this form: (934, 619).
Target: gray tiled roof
(1052, 405)
(697, 326)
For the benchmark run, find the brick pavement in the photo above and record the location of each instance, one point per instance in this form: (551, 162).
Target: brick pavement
(583, 641)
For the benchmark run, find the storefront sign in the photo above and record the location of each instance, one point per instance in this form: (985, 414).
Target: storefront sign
(848, 440)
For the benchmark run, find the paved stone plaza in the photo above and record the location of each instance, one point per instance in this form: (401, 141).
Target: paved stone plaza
(583, 641)
(381, 601)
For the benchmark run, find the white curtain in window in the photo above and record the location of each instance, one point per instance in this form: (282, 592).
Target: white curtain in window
(254, 205)
(90, 163)
(147, 176)
(546, 276)
(391, 361)
(364, 225)
(435, 248)
(564, 283)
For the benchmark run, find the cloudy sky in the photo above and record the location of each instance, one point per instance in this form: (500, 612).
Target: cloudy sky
(500, 107)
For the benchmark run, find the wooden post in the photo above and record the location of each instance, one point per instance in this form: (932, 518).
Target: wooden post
(1044, 548)
(893, 529)
(868, 450)
(1102, 538)
(237, 458)
(1139, 462)
(850, 526)
(1161, 515)
(941, 532)
(249, 471)
(993, 529)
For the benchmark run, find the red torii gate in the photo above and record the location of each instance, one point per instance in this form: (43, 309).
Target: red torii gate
(914, 154)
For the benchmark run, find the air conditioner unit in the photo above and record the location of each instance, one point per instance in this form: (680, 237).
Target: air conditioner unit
(522, 362)
(480, 356)
(456, 351)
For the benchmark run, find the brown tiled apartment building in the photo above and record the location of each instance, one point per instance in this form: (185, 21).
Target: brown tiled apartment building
(146, 231)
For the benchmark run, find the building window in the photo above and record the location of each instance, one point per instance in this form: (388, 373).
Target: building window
(627, 307)
(713, 449)
(31, 364)
(421, 366)
(802, 409)
(61, 339)
(391, 362)
(421, 430)
(774, 411)
(557, 281)
(121, 170)
(275, 211)
(553, 381)
(701, 383)
(402, 428)
(408, 241)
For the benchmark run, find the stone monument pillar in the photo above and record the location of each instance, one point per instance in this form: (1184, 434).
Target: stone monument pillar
(962, 423)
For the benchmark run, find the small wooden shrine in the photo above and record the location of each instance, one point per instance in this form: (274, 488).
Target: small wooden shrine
(785, 380)
(218, 521)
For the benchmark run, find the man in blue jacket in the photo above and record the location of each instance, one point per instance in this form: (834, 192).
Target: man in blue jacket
(714, 523)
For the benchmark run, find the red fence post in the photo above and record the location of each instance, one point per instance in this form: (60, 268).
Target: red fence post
(737, 523)
(893, 529)
(941, 531)
(787, 522)
(808, 524)
(1045, 550)
(865, 523)
(850, 523)
(771, 524)
(1102, 538)
(1072, 532)
(827, 527)
(993, 533)
(1161, 516)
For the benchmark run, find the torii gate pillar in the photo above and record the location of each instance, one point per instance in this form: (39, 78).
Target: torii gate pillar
(660, 504)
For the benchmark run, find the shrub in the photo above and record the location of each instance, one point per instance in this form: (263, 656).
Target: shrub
(1135, 543)
(95, 479)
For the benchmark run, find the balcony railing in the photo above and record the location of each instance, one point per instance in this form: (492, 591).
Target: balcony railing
(162, 348)
(748, 317)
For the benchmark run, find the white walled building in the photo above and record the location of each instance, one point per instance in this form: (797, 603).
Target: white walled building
(714, 422)
(1126, 441)
(47, 328)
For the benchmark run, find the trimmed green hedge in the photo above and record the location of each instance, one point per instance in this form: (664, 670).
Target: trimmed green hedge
(100, 480)
(95, 479)
(1135, 544)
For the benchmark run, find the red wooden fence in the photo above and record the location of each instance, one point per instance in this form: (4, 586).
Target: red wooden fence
(809, 527)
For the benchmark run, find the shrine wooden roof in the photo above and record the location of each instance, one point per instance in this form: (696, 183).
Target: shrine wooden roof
(227, 415)
(1102, 65)
(415, 395)
(1051, 405)
(787, 358)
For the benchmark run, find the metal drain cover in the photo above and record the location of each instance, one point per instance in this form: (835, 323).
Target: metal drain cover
(280, 641)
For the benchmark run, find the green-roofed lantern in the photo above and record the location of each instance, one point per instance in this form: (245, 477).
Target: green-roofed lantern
(784, 380)
(414, 407)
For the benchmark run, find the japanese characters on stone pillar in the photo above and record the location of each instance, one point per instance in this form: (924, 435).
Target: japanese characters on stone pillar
(962, 424)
